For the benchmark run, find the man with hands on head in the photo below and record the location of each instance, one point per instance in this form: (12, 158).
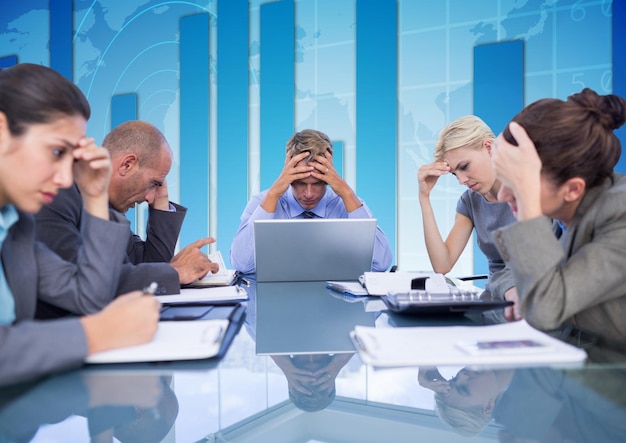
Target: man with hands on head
(141, 159)
(308, 187)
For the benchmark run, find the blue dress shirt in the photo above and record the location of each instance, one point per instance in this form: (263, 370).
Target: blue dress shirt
(330, 206)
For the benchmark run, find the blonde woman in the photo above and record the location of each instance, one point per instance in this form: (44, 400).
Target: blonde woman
(463, 149)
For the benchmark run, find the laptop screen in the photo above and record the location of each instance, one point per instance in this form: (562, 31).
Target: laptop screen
(313, 249)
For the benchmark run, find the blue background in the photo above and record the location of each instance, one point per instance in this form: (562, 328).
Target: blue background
(381, 90)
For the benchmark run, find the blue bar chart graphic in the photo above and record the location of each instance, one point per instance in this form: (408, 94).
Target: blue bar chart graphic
(376, 119)
(124, 108)
(194, 125)
(61, 14)
(498, 95)
(232, 118)
(228, 82)
(277, 86)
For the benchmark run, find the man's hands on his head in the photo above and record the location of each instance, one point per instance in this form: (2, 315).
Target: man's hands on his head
(325, 171)
(291, 171)
(191, 263)
(321, 167)
(161, 198)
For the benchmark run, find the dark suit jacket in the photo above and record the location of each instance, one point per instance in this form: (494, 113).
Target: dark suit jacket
(58, 226)
(30, 349)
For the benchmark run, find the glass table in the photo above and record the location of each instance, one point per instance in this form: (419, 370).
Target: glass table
(291, 375)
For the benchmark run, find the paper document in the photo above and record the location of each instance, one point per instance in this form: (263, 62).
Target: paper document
(223, 277)
(382, 283)
(515, 343)
(190, 295)
(174, 340)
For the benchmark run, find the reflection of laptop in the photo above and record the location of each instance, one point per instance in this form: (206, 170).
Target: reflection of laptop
(313, 249)
(304, 318)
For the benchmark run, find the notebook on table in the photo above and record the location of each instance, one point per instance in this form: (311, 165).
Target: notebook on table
(313, 249)
(185, 332)
(509, 344)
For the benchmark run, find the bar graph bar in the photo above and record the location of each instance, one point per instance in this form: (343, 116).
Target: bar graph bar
(194, 125)
(61, 50)
(619, 69)
(498, 96)
(338, 147)
(498, 87)
(124, 108)
(277, 86)
(232, 119)
(8, 61)
(376, 111)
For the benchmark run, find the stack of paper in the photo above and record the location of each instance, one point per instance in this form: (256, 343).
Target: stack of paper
(515, 343)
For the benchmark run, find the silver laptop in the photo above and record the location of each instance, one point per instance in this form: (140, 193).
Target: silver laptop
(313, 249)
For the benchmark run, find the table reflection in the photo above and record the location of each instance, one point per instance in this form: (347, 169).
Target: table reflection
(532, 404)
(311, 378)
(308, 385)
(311, 347)
(126, 407)
(302, 318)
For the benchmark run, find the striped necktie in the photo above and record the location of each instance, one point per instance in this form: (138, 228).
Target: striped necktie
(308, 214)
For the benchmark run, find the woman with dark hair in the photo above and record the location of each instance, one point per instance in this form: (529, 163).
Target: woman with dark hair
(43, 148)
(556, 160)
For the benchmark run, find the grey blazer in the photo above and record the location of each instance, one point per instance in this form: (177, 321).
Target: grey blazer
(58, 226)
(579, 278)
(29, 349)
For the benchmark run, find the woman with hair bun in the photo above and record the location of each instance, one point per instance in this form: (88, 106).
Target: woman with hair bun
(555, 160)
